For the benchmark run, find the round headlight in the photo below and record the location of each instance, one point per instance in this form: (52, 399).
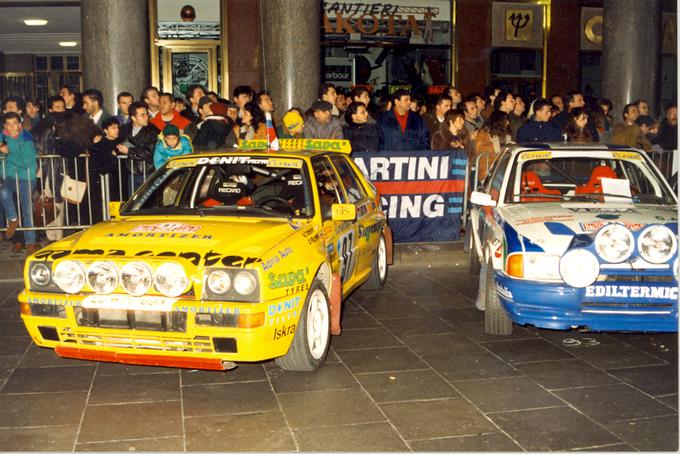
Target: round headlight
(40, 274)
(136, 278)
(244, 283)
(579, 268)
(171, 280)
(219, 282)
(102, 277)
(69, 276)
(614, 243)
(657, 244)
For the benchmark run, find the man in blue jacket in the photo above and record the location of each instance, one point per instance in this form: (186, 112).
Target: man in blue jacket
(400, 128)
(540, 128)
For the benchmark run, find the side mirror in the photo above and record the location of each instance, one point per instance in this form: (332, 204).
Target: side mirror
(482, 199)
(344, 212)
(114, 210)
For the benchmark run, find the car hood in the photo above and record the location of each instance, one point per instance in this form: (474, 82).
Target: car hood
(242, 237)
(551, 227)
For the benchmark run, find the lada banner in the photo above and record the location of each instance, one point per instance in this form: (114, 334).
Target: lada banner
(422, 192)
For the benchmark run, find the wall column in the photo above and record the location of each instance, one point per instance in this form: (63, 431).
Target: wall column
(291, 31)
(115, 47)
(631, 63)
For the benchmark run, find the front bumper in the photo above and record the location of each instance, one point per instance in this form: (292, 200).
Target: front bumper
(177, 340)
(606, 306)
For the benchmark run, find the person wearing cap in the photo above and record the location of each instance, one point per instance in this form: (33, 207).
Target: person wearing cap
(171, 143)
(292, 125)
(216, 129)
(628, 132)
(320, 124)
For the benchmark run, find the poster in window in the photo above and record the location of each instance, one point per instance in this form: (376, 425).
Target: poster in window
(189, 68)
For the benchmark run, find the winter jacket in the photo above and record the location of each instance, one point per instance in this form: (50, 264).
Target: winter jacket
(315, 130)
(163, 152)
(140, 154)
(20, 161)
(362, 137)
(103, 156)
(416, 136)
(539, 131)
(181, 122)
(630, 135)
(215, 132)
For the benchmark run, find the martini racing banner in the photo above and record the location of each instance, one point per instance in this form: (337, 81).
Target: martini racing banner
(422, 191)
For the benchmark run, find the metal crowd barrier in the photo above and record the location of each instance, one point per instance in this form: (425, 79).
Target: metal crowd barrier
(47, 191)
(666, 161)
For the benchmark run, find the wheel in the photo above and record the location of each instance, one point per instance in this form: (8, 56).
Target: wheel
(379, 273)
(312, 335)
(496, 321)
(474, 264)
(277, 201)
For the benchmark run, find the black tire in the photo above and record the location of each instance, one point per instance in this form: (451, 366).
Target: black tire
(496, 321)
(301, 355)
(474, 264)
(378, 276)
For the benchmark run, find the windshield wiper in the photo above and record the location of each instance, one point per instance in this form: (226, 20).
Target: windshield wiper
(541, 195)
(649, 198)
(204, 211)
(599, 196)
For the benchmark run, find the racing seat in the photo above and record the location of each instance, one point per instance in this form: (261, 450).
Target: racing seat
(531, 184)
(594, 184)
(228, 193)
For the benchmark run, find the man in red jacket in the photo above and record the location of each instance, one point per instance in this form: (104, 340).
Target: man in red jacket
(167, 115)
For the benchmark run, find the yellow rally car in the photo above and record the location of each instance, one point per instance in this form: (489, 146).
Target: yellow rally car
(218, 258)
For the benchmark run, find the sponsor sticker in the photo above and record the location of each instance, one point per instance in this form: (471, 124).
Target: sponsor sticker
(544, 219)
(530, 155)
(285, 163)
(125, 302)
(632, 292)
(179, 163)
(167, 227)
(627, 155)
(593, 226)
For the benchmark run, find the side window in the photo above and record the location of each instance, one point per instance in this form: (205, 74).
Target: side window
(355, 192)
(493, 184)
(328, 184)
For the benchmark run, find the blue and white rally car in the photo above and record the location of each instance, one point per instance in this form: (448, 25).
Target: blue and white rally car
(575, 236)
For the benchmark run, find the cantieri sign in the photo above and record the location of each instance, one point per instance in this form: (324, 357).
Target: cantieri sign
(341, 146)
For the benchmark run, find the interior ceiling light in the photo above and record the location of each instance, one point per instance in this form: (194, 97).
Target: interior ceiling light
(68, 43)
(35, 22)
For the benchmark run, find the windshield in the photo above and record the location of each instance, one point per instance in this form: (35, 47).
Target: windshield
(226, 186)
(599, 177)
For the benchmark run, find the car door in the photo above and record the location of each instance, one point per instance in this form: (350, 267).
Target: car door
(340, 237)
(492, 186)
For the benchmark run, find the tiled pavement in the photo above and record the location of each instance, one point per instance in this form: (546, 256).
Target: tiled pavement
(413, 370)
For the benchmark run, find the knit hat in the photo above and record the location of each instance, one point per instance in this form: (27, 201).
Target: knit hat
(171, 130)
(322, 105)
(292, 120)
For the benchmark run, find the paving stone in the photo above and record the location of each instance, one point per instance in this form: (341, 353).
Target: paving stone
(427, 345)
(328, 376)
(613, 403)
(655, 434)
(357, 339)
(357, 320)
(671, 401)
(651, 343)
(265, 431)
(132, 421)
(328, 408)
(52, 438)
(471, 366)
(396, 307)
(526, 350)
(244, 372)
(456, 316)
(552, 429)
(508, 393)
(406, 385)
(7, 365)
(653, 380)
(450, 299)
(381, 360)
(409, 326)
(498, 442)
(111, 389)
(378, 436)
(475, 331)
(46, 357)
(229, 398)
(615, 355)
(565, 373)
(436, 418)
(618, 447)
(131, 369)
(164, 444)
(14, 345)
(13, 328)
(47, 409)
(47, 379)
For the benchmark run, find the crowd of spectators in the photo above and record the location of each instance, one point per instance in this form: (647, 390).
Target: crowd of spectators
(157, 126)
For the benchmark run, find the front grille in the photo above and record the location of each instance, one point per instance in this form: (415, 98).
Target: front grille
(135, 320)
(138, 341)
(636, 278)
(626, 308)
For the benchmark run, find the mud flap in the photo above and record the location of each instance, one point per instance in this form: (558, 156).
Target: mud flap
(336, 304)
(387, 233)
(480, 302)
